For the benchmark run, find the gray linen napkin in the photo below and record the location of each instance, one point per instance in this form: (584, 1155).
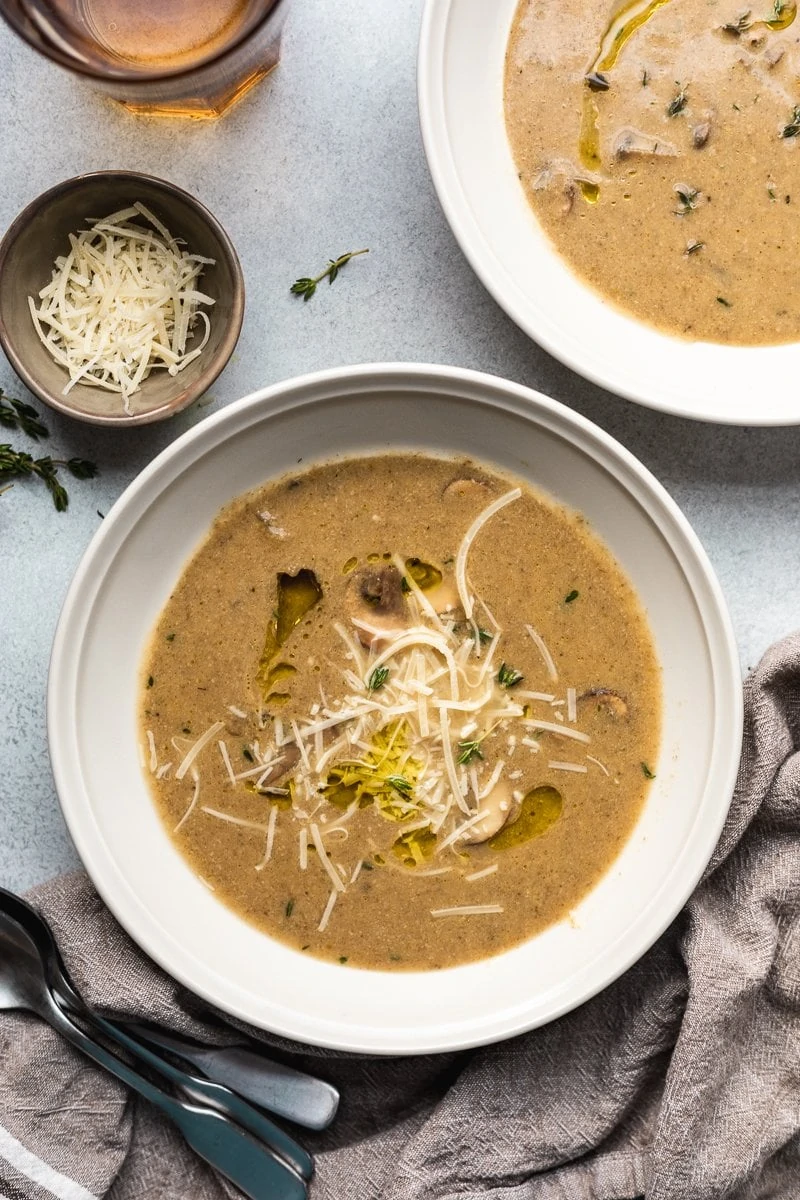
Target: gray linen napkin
(681, 1081)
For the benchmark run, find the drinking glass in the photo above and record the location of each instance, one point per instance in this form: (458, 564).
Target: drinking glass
(192, 58)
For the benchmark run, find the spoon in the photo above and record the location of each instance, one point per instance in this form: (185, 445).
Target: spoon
(15, 912)
(238, 1156)
(292, 1094)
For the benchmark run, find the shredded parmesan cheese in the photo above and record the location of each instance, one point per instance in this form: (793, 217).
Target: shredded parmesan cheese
(467, 910)
(122, 302)
(467, 600)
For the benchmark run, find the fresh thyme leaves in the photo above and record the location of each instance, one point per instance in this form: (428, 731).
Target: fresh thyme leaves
(306, 286)
(378, 678)
(507, 677)
(687, 199)
(150, 681)
(725, 303)
(571, 597)
(793, 128)
(467, 751)
(693, 248)
(484, 635)
(678, 102)
(405, 586)
(645, 77)
(739, 26)
(247, 754)
(648, 774)
(16, 464)
(597, 82)
(14, 414)
(289, 908)
(399, 783)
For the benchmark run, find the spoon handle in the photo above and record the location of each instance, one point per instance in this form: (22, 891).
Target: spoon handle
(207, 1092)
(228, 1149)
(282, 1090)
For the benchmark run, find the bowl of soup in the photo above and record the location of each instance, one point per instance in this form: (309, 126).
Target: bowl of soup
(623, 179)
(395, 709)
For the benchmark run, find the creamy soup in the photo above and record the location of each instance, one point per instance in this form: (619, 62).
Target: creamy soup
(399, 711)
(658, 144)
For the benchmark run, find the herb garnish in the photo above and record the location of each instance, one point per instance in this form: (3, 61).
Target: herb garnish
(508, 677)
(14, 414)
(648, 774)
(247, 754)
(793, 128)
(678, 102)
(484, 635)
(571, 597)
(342, 958)
(16, 464)
(725, 303)
(399, 783)
(687, 197)
(645, 77)
(468, 751)
(289, 907)
(378, 678)
(306, 286)
(150, 681)
(405, 586)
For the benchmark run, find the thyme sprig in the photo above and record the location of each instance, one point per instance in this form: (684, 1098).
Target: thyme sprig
(467, 751)
(678, 102)
(15, 414)
(377, 679)
(16, 464)
(687, 198)
(792, 130)
(508, 677)
(307, 285)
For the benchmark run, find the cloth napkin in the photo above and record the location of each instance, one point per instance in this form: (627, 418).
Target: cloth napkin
(680, 1082)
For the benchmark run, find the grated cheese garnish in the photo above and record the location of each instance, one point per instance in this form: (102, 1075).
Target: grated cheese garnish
(123, 302)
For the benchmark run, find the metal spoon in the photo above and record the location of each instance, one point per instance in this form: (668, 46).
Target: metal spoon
(15, 912)
(292, 1094)
(238, 1156)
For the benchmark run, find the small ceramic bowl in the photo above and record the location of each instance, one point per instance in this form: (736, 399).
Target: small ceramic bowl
(40, 234)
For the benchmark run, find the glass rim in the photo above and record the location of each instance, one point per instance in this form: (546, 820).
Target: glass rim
(11, 15)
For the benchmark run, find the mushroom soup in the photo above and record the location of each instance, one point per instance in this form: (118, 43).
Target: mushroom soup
(400, 712)
(657, 142)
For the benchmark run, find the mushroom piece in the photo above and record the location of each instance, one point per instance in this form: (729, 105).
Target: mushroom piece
(497, 809)
(465, 486)
(288, 760)
(700, 134)
(608, 700)
(632, 143)
(375, 603)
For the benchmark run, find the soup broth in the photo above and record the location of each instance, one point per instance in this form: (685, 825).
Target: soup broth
(657, 142)
(400, 712)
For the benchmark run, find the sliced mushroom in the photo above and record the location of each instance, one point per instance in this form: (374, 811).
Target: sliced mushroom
(465, 486)
(288, 760)
(632, 143)
(607, 699)
(497, 809)
(374, 601)
(700, 134)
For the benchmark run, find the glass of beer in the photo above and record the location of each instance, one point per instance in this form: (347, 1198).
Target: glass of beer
(192, 58)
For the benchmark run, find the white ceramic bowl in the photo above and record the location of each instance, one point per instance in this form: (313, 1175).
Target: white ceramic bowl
(126, 576)
(460, 81)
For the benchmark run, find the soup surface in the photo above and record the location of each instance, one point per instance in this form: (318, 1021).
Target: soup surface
(400, 712)
(658, 142)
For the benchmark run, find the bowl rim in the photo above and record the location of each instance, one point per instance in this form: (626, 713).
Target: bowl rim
(215, 365)
(432, 75)
(307, 391)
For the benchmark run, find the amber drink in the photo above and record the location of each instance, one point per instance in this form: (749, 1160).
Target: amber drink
(192, 58)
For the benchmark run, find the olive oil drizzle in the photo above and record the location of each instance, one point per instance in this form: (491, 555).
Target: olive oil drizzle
(629, 17)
